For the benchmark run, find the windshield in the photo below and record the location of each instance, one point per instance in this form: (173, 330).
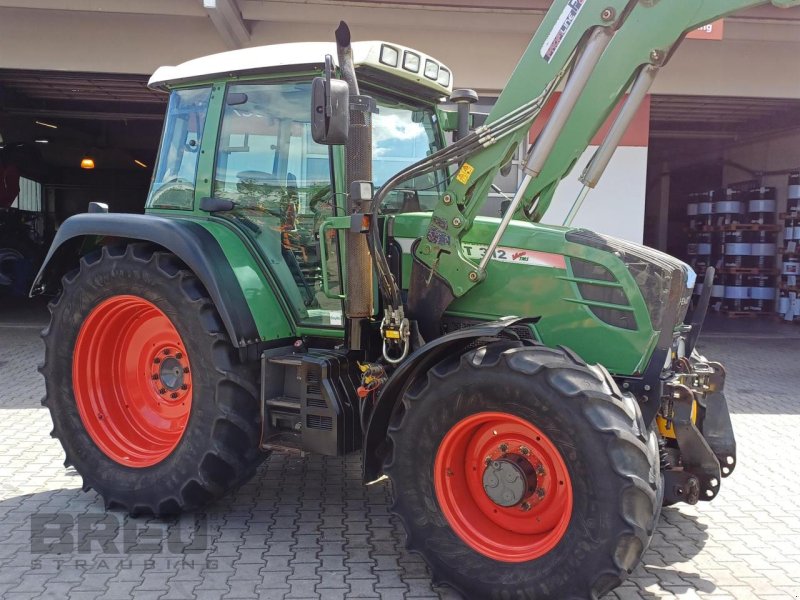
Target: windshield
(401, 136)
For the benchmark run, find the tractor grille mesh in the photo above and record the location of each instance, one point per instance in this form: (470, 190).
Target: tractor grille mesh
(319, 422)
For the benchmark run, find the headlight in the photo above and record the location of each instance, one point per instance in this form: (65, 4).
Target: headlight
(652, 271)
(389, 55)
(444, 77)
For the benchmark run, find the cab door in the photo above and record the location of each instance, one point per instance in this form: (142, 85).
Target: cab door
(280, 182)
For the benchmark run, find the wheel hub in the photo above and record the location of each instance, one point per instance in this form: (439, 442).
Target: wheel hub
(171, 373)
(509, 480)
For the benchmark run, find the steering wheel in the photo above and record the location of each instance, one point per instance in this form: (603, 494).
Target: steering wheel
(179, 187)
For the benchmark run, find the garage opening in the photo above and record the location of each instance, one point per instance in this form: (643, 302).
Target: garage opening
(723, 191)
(67, 139)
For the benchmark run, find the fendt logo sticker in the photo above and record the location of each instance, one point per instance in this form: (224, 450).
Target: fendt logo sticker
(517, 256)
(559, 32)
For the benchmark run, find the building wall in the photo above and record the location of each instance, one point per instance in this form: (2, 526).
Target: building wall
(481, 45)
(616, 206)
(758, 57)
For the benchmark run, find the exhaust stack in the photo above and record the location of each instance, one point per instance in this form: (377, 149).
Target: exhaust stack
(358, 167)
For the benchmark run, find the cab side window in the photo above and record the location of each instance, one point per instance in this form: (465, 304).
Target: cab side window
(173, 183)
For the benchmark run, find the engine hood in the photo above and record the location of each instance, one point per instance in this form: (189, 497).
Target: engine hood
(602, 297)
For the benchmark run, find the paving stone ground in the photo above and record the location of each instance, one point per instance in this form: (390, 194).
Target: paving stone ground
(305, 527)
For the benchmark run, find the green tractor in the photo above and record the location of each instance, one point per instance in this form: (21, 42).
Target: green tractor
(312, 272)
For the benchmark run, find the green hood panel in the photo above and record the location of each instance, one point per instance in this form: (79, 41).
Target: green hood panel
(532, 276)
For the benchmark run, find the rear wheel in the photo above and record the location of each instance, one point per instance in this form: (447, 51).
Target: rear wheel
(523, 472)
(146, 394)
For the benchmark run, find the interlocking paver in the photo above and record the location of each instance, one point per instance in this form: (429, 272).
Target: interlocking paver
(305, 527)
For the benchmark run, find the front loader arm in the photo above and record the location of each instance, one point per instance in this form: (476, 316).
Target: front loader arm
(602, 46)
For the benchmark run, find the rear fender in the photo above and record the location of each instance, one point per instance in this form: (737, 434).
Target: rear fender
(189, 241)
(416, 365)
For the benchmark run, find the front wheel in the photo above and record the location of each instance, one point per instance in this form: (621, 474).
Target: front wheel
(523, 472)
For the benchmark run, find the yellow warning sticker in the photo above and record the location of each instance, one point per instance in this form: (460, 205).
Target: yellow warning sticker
(465, 173)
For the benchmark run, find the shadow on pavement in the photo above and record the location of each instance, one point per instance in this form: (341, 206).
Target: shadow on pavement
(678, 539)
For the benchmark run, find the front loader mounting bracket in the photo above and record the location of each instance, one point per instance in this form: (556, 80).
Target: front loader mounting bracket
(696, 455)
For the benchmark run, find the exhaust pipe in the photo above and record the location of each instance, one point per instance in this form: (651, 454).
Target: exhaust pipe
(358, 167)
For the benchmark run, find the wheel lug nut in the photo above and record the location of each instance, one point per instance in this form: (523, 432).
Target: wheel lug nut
(179, 355)
(162, 391)
(185, 369)
(184, 387)
(154, 377)
(173, 395)
(524, 451)
(525, 506)
(539, 470)
(156, 360)
(487, 461)
(503, 448)
(166, 351)
(540, 492)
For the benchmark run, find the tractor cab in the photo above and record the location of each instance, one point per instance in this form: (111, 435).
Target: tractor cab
(238, 144)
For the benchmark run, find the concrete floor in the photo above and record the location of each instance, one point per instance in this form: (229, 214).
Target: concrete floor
(305, 527)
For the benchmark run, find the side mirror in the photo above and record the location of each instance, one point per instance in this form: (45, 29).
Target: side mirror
(330, 108)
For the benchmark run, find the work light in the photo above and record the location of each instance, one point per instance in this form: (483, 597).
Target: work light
(389, 55)
(411, 62)
(431, 70)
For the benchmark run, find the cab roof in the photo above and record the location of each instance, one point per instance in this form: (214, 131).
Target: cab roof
(431, 80)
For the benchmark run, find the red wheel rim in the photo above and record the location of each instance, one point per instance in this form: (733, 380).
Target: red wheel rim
(532, 526)
(132, 381)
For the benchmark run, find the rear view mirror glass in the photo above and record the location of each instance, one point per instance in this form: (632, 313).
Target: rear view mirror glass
(330, 111)
(236, 99)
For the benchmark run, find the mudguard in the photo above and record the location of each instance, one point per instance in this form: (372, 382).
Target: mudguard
(189, 241)
(422, 360)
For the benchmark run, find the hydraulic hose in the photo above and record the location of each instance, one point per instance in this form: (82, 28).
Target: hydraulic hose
(456, 153)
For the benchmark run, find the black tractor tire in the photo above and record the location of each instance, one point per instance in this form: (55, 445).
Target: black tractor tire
(219, 447)
(611, 458)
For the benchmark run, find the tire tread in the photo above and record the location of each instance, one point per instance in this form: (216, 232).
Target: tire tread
(607, 411)
(233, 453)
